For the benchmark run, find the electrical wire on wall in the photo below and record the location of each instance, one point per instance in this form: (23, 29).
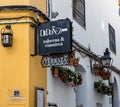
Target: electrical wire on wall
(80, 48)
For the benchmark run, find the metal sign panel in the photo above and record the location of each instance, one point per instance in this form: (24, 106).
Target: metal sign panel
(55, 37)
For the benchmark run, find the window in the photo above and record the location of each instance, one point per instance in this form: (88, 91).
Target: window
(79, 11)
(112, 42)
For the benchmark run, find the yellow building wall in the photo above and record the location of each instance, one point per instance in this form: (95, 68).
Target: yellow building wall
(13, 2)
(14, 66)
(37, 73)
(40, 4)
(18, 69)
(35, 62)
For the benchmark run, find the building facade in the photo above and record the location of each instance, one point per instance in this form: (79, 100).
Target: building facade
(22, 78)
(24, 82)
(95, 28)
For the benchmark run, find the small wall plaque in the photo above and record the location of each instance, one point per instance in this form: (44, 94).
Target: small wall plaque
(17, 96)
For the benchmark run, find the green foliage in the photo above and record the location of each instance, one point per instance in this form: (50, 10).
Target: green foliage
(98, 66)
(67, 76)
(103, 88)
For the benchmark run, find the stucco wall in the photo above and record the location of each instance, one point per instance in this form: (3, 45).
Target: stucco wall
(96, 36)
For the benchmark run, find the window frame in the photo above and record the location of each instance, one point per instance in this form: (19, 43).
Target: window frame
(82, 17)
(112, 40)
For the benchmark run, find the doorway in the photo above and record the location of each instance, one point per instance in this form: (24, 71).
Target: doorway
(115, 96)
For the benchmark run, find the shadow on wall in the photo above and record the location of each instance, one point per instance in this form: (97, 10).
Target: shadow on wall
(80, 96)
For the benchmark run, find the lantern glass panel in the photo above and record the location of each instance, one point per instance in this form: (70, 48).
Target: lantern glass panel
(106, 62)
(6, 39)
(6, 36)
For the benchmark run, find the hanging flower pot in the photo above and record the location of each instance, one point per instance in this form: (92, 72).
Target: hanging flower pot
(106, 75)
(75, 63)
(97, 72)
(101, 87)
(101, 73)
(55, 71)
(98, 69)
(71, 61)
(71, 57)
(67, 76)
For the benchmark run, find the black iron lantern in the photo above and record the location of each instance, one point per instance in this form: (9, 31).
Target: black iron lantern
(6, 36)
(106, 59)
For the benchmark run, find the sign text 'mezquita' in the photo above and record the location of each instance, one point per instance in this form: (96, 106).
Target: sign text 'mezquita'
(55, 37)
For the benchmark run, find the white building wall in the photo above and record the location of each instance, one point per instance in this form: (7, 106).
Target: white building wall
(59, 92)
(96, 36)
(98, 15)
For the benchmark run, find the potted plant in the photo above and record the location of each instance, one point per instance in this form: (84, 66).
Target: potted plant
(72, 60)
(75, 62)
(71, 57)
(98, 69)
(102, 88)
(55, 71)
(78, 79)
(106, 74)
(97, 86)
(67, 76)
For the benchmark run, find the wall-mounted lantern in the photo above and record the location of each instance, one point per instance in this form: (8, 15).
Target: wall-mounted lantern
(6, 36)
(106, 59)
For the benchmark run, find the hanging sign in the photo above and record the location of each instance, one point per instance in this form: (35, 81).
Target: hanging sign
(49, 61)
(55, 37)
